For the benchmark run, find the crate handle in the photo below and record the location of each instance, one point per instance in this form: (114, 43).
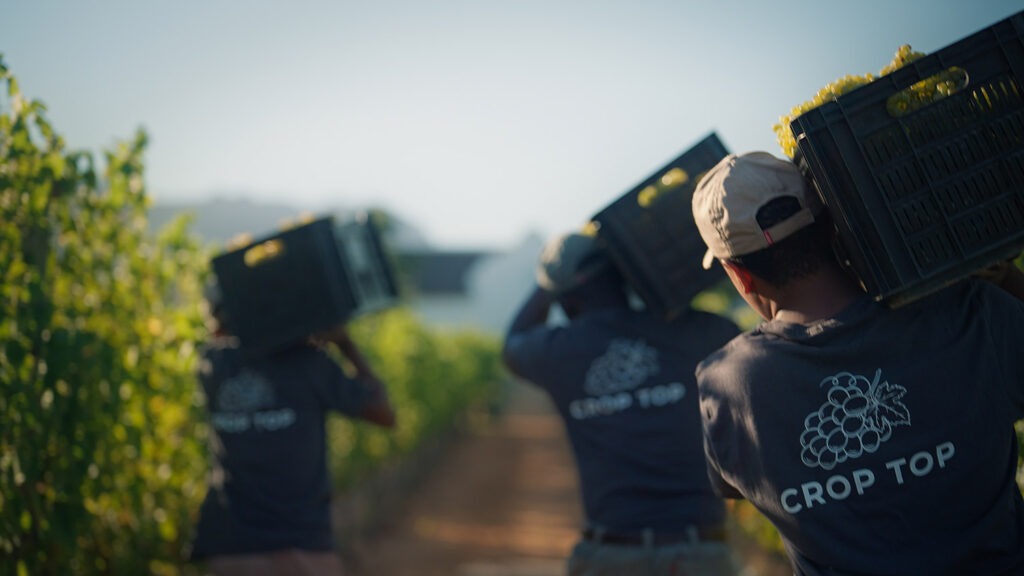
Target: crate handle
(263, 253)
(671, 179)
(925, 92)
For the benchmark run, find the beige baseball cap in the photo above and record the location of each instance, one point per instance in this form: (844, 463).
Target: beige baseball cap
(566, 262)
(728, 197)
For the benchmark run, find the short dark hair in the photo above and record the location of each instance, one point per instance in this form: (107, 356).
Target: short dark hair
(798, 255)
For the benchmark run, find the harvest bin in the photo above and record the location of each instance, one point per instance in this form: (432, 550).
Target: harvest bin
(285, 286)
(926, 197)
(651, 236)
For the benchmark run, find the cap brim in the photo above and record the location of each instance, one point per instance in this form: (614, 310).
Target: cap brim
(709, 259)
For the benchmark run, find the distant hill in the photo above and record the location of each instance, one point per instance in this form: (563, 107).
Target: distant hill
(219, 220)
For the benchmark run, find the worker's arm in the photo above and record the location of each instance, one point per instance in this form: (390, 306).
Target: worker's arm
(378, 409)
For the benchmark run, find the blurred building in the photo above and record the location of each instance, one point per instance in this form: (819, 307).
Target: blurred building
(469, 289)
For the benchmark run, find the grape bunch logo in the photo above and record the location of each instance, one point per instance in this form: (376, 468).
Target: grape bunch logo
(246, 392)
(624, 366)
(857, 417)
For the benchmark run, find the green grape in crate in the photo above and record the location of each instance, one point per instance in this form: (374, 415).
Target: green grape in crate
(904, 55)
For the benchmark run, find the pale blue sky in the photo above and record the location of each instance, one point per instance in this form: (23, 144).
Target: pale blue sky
(476, 121)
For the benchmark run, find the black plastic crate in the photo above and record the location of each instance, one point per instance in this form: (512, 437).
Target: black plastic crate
(925, 198)
(367, 264)
(285, 286)
(652, 238)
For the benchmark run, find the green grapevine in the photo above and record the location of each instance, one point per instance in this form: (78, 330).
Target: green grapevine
(102, 442)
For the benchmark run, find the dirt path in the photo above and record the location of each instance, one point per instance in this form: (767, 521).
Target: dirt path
(502, 502)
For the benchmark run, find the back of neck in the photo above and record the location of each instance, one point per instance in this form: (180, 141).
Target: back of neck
(816, 297)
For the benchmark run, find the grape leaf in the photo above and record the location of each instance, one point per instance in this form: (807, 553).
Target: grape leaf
(889, 409)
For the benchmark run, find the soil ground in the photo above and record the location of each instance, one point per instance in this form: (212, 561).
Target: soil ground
(501, 501)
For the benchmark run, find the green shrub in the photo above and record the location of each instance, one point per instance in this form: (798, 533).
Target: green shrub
(99, 460)
(102, 434)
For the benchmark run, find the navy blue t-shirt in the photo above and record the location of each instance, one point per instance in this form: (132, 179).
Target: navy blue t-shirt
(623, 382)
(269, 485)
(879, 441)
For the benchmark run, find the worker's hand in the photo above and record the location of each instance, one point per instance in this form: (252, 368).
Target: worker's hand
(995, 273)
(1007, 275)
(378, 408)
